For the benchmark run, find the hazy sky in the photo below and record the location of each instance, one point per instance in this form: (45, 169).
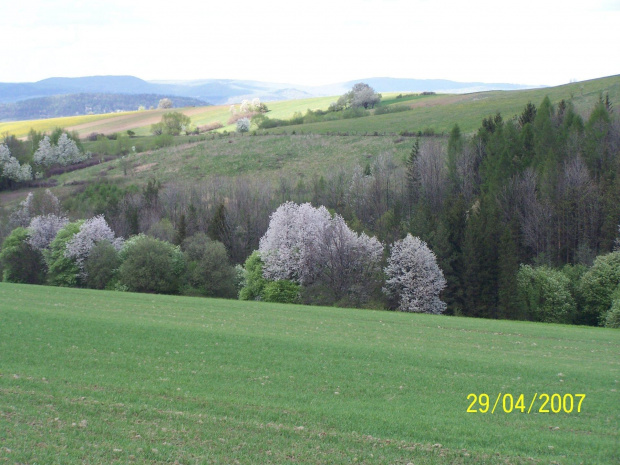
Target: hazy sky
(312, 42)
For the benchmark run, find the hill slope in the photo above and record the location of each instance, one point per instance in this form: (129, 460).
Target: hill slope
(220, 91)
(153, 379)
(85, 104)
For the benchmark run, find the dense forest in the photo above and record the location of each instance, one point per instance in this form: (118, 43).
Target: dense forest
(86, 103)
(521, 208)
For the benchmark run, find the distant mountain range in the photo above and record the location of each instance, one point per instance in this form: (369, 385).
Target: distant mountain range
(213, 91)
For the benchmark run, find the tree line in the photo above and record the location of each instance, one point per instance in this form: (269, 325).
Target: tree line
(522, 215)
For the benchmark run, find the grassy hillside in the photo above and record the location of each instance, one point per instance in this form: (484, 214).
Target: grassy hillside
(140, 121)
(101, 377)
(301, 155)
(439, 112)
(268, 157)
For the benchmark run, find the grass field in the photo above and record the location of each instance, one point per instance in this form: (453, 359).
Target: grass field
(311, 150)
(268, 157)
(439, 112)
(140, 121)
(100, 377)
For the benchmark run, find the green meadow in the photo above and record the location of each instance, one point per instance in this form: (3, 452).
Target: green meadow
(438, 112)
(103, 377)
(268, 157)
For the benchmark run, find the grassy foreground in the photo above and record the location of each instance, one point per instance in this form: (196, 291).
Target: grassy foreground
(101, 377)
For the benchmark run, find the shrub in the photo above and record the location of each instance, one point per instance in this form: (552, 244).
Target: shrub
(20, 262)
(101, 266)
(163, 140)
(63, 271)
(94, 136)
(282, 291)
(174, 122)
(254, 280)
(91, 232)
(209, 271)
(597, 286)
(151, 265)
(545, 293)
(612, 318)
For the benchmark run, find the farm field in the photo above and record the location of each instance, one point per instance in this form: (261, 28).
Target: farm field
(140, 121)
(100, 377)
(438, 112)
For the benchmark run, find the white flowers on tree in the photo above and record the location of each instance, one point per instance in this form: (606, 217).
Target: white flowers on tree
(45, 204)
(91, 232)
(243, 125)
(245, 106)
(348, 262)
(46, 152)
(68, 151)
(43, 229)
(289, 248)
(414, 277)
(65, 153)
(10, 167)
(308, 245)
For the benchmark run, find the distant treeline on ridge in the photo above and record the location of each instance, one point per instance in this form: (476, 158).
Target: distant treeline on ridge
(86, 103)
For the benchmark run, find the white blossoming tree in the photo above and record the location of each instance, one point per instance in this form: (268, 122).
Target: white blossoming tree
(243, 125)
(10, 167)
(245, 106)
(414, 278)
(46, 153)
(289, 248)
(91, 232)
(34, 205)
(309, 246)
(68, 152)
(65, 153)
(348, 263)
(43, 229)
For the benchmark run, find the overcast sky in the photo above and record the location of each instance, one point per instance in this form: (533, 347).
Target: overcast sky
(312, 42)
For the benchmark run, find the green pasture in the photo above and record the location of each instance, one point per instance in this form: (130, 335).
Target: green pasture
(440, 112)
(22, 128)
(102, 377)
(267, 157)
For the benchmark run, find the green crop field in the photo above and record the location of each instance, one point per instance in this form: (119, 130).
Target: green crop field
(103, 377)
(440, 112)
(140, 121)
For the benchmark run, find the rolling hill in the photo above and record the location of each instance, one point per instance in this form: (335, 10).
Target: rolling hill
(439, 112)
(86, 104)
(220, 91)
(111, 377)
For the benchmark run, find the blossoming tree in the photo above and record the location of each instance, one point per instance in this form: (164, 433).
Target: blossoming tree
(414, 278)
